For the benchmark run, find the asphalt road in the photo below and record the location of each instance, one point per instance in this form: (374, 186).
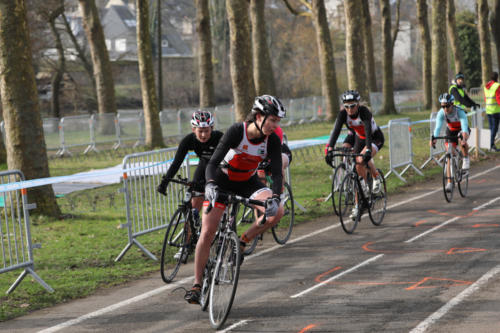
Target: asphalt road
(431, 266)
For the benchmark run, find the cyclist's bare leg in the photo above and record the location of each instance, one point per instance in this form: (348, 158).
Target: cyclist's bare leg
(209, 225)
(256, 228)
(464, 147)
(360, 166)
(197, 202)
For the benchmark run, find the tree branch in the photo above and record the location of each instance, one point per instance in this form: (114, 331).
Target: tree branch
(296, 12)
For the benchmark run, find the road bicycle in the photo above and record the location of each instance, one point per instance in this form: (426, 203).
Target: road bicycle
(351, 194)
(283, 230)
(223, 267)
(181, 235)
(453, 159)
(339, 172)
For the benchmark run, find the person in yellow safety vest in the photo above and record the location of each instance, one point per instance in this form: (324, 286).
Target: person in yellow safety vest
(492, 99)
(457, 89)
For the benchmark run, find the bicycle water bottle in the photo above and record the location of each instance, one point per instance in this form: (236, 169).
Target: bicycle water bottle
(196, 217)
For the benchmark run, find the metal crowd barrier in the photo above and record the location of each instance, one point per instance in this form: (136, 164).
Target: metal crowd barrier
(147, 210)
(440, 148)
(403, 100)
(16, 247)
(400, 147)
(74, 131)
(129, 127)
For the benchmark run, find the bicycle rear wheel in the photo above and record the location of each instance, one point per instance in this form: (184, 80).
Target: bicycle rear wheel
(347, 202)
(175, 239)
(338, 176)
(462, 177)
(283, 230)
(224, 280)
(448, 161)
(247, 216)
(378, 202)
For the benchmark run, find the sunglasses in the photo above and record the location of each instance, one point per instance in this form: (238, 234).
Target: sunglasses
(350, 106)
(444, 106)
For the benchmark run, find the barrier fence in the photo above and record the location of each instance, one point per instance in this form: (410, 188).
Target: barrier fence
(16, 247)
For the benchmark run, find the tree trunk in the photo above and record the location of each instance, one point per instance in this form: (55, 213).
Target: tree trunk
(326, 60)
(145, 56)
(61, 67)
(484, 39)
(262, 67)
(388, 106)
(439, 52)
(240, 57)
(159, 57)
(368, 45)
(25, 144)
(453, 35)
(105, 87)
(425, 36)
(495, 27)
(356, 75)
(206, 71)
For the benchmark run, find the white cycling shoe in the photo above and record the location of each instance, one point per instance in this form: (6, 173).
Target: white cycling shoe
(449, 187)
(377, 185)
(354, 213)
(179, 253)
(466, 163)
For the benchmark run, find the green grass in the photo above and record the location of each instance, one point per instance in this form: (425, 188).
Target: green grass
(78, 252)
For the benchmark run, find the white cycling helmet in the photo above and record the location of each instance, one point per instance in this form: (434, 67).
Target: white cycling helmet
(202, 118)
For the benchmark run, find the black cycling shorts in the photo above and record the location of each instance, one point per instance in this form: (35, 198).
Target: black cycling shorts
(453, 133)
(244, 188)
(377, 139)
(350, 138)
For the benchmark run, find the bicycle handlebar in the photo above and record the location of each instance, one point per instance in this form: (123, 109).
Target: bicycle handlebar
(186, 182)
(447, 137)
(234, 198)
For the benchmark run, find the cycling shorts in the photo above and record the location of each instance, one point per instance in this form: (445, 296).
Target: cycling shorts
(377, 141)
(455, 134)
(248, 188)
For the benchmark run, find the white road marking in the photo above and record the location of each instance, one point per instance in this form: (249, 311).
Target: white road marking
(116, 306)
(238, 324)
(424, 325)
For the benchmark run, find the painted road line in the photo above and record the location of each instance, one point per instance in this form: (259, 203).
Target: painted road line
(450, 221)
(238, 324)
(185, 280)
(424, 325)
(335, 277)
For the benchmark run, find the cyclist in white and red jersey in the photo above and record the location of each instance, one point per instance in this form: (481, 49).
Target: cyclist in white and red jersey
(233, 168)
(286, 158)
(456, 121)
(368, 139)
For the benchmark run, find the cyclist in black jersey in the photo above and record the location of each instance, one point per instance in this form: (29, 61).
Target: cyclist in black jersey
(203, 140)
(368, 139)
(233, 168)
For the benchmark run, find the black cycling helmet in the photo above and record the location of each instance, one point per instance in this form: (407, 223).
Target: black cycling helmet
(446, 98)
(269, 105)
(350, 95)
(201, 118)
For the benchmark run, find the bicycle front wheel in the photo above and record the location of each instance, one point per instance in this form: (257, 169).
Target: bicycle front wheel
(338, 176)
(378, 202)
(448, 161)
(248, 217)
(347, 203)
(175, 245)
(224, 280)
(283, 230)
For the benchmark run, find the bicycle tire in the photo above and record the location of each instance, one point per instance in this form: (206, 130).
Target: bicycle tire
(378, 202)
(175, 238)
(347, 195)
(448, 195)
(283, 230)
(207, 276)
(462, 178)
(248, 216)
(224, 280)
(338, 176)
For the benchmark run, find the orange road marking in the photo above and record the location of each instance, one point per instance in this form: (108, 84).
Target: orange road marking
(433, 211)
(419, 285)
(485, 225)
(307, 328)
(455, 250)
(318, 278)
(420, 222)
(478, 181)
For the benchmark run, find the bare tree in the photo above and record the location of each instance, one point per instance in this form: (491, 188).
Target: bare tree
(205, 67)
(61, 61)
(154, 136)
(262, 66)
(25, 142)
(425, 36)
(495, 27)
(484, 39)
(105, 87)
(439, 51)
(356, 76)
(453, 36)
(388, 106)
(368, 45)
(240, 57)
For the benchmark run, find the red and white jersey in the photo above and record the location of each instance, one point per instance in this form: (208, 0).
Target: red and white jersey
(241, 162)
(358, 126)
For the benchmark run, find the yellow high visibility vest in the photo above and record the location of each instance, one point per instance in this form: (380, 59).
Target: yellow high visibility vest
(461, 92)
(491, 101)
